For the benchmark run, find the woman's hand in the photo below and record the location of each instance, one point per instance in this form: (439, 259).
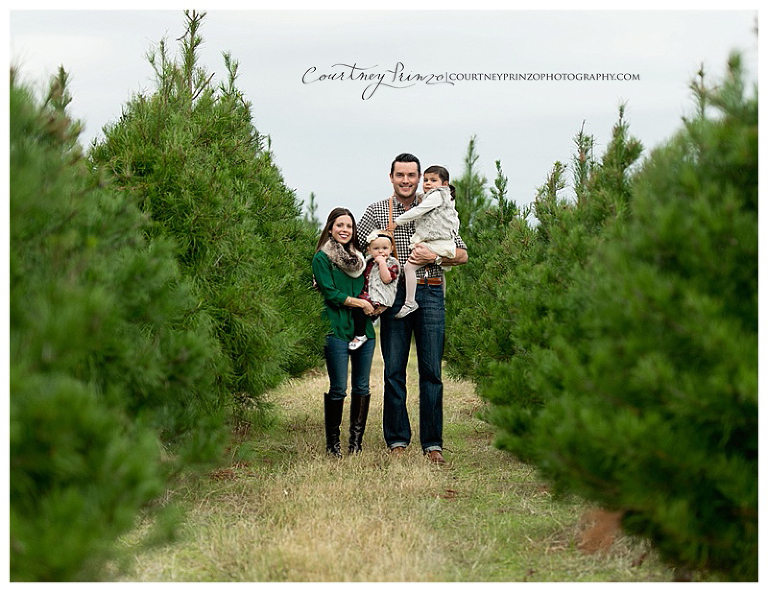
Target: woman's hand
(359, 303)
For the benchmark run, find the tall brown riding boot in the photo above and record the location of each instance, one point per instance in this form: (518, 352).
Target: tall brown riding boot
(334, 408)
(358, 416)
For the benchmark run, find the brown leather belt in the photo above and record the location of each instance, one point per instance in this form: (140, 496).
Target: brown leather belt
(430, 281)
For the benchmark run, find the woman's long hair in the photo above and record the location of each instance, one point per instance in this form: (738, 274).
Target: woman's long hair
(325, 235)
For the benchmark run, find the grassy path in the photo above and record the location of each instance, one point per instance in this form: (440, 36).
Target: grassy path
(285, 512)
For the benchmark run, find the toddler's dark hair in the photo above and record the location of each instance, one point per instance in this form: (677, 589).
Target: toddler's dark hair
(442, 172)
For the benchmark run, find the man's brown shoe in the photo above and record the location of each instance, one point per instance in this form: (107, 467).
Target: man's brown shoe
(436, 456)
(397, 451)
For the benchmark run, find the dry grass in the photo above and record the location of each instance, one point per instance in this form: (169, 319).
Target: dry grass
(281, 510)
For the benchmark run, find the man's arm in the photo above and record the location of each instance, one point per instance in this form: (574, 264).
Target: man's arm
(421, 255)
(460, 259)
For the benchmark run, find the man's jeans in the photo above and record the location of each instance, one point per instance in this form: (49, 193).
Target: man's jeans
(337, 358)
(427, 325)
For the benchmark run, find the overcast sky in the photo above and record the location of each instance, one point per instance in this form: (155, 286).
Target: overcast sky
(337, 138)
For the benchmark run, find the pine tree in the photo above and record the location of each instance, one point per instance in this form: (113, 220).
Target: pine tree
(617, 344)
(505, 209)
(189, 156)
(500, 229)
(655, 367)
(501, 337)
(311, 214)
(109, 360)
(471, 197)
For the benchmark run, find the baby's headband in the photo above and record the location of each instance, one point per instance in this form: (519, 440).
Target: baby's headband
(379, 234)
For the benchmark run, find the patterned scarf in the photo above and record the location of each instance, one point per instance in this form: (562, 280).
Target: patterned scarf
(351, 263)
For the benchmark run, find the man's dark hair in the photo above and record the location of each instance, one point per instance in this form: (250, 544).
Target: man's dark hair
(405, 157)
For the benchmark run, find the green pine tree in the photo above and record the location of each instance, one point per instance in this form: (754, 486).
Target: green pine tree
(471, 196)
(505, 209)
(654, 367)
(110, 361)
(189, 156)
(617, 341)
(311, 214)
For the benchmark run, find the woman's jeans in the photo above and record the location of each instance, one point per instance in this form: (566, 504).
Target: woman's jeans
(337, 359)
(427, 325)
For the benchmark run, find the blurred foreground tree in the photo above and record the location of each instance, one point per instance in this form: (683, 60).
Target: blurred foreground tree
(109, 358)
(616, 340)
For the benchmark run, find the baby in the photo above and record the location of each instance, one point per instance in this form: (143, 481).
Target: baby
(380, 287)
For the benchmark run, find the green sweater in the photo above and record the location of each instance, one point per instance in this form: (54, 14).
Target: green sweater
(335, 286)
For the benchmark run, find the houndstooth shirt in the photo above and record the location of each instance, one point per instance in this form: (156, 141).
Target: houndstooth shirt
(376, 217)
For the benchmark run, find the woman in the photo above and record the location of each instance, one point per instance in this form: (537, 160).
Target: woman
(338, 269)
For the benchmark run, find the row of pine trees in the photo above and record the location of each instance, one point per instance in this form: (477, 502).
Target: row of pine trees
(159, 285)
(612, 327)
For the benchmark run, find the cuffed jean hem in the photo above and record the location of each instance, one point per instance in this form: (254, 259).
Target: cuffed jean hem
(432, 448)
(399, 445)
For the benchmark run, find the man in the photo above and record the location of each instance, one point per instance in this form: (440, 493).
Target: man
(426, 324)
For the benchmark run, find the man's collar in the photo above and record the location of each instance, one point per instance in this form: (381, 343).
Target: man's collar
(417, 197)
